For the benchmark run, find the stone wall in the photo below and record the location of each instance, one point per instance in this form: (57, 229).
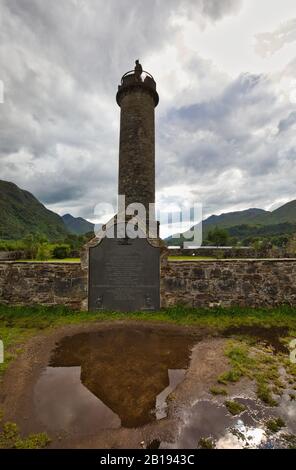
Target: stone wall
(216, 252)
(42, 283)
(232, 252)
(229, 283)
(195, 284)
(12, 255)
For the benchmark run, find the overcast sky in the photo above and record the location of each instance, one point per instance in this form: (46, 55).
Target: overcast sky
(226, 76)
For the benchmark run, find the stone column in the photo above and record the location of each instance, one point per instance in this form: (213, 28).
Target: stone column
(137, 98)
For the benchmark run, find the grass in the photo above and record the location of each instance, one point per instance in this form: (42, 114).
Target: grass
(275, 425)
(191, 258)
(234, 407)
(10, 438)
(218, 391)
(259, 364)
(65, 260)
(216, 317)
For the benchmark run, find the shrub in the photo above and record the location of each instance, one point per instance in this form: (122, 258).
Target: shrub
(218, 236)
(61, 251)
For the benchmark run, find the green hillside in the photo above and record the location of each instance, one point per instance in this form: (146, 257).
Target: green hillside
(77, 225)
(251, 223)
(284, 214)
(231, 219)
(22, 214)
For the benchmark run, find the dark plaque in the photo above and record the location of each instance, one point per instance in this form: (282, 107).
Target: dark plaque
(124, 275)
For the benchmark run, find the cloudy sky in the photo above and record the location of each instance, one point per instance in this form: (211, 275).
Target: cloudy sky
(226, 76)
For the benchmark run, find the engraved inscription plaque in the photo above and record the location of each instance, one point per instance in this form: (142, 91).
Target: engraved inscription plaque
(124, 275)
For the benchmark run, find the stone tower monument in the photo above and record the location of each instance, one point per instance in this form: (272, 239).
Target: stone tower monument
(137, 98)
(123, 271)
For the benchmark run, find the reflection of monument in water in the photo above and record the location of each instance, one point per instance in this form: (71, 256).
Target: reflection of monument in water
(124, 271)
(126, 375)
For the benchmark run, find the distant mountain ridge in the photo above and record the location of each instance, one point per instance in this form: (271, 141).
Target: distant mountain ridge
(77, 225)
(283, 214)
(255, 217)
(252, 222)
(230, 219)
(21, 214)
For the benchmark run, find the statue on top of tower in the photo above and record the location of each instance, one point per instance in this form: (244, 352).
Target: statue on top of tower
(138, 70)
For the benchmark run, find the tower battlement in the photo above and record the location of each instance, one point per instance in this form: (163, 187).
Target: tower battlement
(131, 81)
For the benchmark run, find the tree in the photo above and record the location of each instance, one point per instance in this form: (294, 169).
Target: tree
(291, 245)
(218, 236)
(31, 246)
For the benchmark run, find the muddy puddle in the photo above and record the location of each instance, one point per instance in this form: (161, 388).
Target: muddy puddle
(149, 386)
(111, 379)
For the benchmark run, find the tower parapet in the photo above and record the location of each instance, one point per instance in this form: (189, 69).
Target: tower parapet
(131, 80)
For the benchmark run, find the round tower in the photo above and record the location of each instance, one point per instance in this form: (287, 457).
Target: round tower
(137, 98)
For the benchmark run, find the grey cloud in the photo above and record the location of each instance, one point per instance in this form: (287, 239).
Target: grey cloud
(288, 122)
(60, 65)
(216, 9)
(61, 62)
(229, 148)
(271, 42)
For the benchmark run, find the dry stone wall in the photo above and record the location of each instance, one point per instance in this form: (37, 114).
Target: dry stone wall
(195, 284)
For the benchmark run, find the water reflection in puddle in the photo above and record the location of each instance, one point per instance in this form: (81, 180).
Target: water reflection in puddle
(122, 377)
(242, 436)
(211, 420)
(175, 377)
(113, 378)
(62, 402)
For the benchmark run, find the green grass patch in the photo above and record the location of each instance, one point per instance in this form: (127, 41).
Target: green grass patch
(275, 425)
(234, 407)
(191, 258)
(10, 438)
(218, 391)
(230, 376)
(241, 362)
(258, 365)
(52, 260)
(264, 391)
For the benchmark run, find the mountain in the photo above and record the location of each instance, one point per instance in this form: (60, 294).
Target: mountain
(77, 225)
(252, 223)
(22, 214)
(231, 219)
(283, 214)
